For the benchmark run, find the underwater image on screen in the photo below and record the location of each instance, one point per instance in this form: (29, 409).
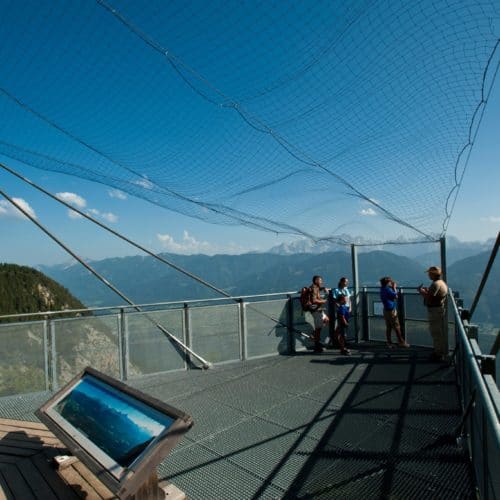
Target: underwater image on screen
(119, 425)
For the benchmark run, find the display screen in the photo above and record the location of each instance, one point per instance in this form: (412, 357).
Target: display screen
(119, 425)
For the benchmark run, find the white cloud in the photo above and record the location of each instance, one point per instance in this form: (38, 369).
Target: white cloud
(492, 218)
(144, 182)
(188, 245)
(72, 199)
(116, 193)
(75, 200)
(74, 215)
(107, 216)
(8, 210)
(368, 212)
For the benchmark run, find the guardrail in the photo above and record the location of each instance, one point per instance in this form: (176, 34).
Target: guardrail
(43, 351)
(481, 403)
(46, 350)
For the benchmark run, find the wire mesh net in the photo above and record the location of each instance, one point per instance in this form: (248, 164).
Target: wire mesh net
(344, 121)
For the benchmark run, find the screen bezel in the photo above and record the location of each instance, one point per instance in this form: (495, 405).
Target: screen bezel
(119, 479)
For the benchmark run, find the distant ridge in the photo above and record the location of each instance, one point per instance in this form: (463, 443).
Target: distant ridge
(424, 253)
(145, 280)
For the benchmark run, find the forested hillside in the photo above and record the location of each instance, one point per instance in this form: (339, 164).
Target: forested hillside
(26, 290)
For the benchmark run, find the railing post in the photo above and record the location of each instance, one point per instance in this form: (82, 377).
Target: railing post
(402, 312)
(46, 352)
(355, 280)
(53, 355)
(123, 344)
(365, 322)
(242, 329)
(472, 331)
(187, 332)
(290, 325)
(488, 365)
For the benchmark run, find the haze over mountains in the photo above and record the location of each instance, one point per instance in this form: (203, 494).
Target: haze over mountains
(146, 280)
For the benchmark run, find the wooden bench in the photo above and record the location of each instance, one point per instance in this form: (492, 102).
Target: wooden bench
(28, 468)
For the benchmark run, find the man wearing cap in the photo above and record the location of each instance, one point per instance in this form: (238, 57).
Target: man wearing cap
(435, 298)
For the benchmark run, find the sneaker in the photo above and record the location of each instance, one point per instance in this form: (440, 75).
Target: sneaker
(403, 344)
(345, 352)
(389, 346)
(318, 348)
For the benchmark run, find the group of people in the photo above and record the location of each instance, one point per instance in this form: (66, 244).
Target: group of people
(342, 299)
(434, 299)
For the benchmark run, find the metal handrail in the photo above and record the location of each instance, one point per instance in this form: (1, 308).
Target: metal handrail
(493, 411)
(154, 304)
(485, 275)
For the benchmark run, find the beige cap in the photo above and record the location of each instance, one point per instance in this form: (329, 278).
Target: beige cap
(436, 271)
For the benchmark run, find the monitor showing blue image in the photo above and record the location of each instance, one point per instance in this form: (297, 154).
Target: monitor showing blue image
(119, 432)
(119, 425)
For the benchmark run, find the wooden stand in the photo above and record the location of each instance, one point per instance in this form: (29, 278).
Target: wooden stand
(35, 464)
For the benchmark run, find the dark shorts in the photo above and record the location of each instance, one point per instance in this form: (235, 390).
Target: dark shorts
(391, 318)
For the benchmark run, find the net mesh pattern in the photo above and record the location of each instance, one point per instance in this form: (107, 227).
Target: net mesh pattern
(319, 119)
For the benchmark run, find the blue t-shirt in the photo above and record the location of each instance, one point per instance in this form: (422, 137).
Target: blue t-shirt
(342, 291)
(389, 298)
(343, 310)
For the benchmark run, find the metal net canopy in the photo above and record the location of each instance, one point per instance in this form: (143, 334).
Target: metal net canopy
(317, 118)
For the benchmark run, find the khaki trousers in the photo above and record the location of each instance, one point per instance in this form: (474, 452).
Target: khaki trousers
(438, 329)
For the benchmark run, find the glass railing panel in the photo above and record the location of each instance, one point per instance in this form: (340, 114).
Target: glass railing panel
(303, 322)
(215, 332)
(414, 306)
(487, 312)
(81, 342)
(493, 462)
(374, 312)
(264, 335)
(149, 349)
(417, 333)
(22, 358)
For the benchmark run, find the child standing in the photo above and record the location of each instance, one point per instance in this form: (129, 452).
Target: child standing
(342, 324)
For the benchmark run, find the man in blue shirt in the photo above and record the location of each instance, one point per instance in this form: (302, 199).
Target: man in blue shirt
(389, 297)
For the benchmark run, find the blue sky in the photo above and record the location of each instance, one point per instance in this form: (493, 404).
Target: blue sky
(476, 214)
(222, 136)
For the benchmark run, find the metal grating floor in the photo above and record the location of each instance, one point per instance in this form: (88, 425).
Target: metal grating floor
(373, 425)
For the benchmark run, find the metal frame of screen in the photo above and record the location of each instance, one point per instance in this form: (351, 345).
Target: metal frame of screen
(121, 480)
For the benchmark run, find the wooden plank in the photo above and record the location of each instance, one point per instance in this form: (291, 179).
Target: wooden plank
(36, 481)
(17, 431)
(90, 478)
(23, 423)
(27, 430)
(58, 486)
(83, 489)
(5, 493)
(15, 451)
(27, 444)
(21, 435)
(16, 483)
(9, 459)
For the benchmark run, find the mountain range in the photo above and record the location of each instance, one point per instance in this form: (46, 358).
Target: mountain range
(146, 280)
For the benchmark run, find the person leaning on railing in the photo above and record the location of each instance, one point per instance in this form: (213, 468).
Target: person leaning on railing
(434, 299)
(317, 310)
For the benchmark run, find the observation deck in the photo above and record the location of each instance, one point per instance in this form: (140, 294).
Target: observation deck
(282, 421)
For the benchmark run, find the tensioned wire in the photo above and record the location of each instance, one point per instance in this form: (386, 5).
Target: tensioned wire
(301, 156)
(168, 186)
(140, 247)
(101, 278)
